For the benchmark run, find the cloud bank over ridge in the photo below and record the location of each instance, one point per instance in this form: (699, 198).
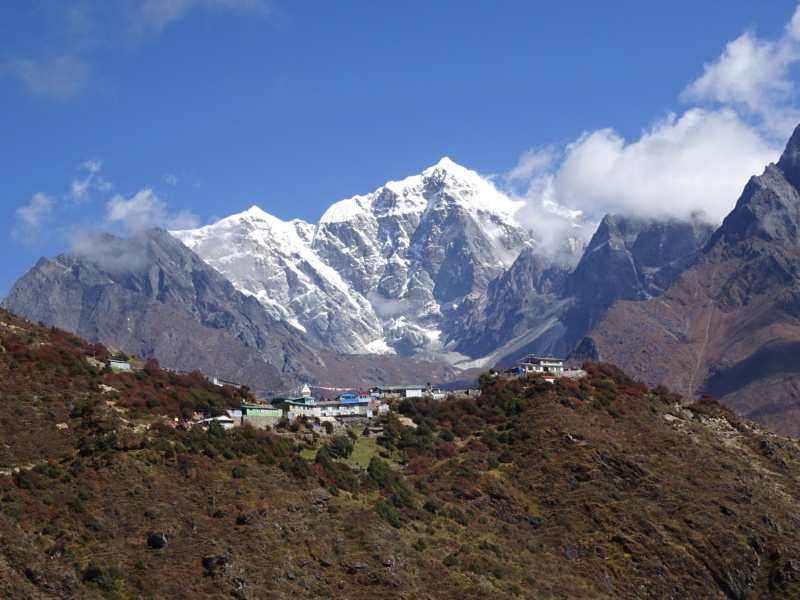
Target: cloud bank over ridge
(745, 107)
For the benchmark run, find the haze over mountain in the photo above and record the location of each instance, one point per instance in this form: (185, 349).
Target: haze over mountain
(150, 295)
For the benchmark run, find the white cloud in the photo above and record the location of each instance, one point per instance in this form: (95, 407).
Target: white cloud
(33, 214)
(753, 75)
(144, 210)
(532, 162)
(155, 15)
(76, 32)
(108, 252)
(61, 77)
(699, 160)
(66, 215)
(387, 307)
(33, 217)
(79, 189)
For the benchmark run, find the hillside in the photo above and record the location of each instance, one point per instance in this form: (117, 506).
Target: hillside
(598, 488)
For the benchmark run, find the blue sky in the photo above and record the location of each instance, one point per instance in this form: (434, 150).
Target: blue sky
(120, 115)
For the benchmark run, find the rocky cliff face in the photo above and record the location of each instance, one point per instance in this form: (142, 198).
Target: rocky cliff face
(729, 324)
(273, 262)
(628, 259)
(423, 248)
(438, 266)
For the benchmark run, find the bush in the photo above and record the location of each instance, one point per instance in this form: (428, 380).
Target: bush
(76, 504)
(506, 456)
(96, 576)
(341, 447)
(450, 560)
(238, 472)
(384, 478)
(297, 466)
(388, 513)
(24, 479)
(94, 524)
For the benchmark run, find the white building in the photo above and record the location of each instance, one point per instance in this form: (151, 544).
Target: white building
(538, 364)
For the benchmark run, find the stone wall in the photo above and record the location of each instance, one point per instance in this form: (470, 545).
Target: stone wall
(260, 422)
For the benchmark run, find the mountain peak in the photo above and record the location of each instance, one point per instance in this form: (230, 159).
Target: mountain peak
(769, 207)
(254, 211)
(789, 161)
(446, 163)
(447, 168)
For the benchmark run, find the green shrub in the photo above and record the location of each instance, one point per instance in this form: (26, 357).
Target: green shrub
(456, 514)
(341, 446)
(94, 524)
(420, 545)
(25, 479)
(432, 506)
(297, 466)
(76, 504)
(506, 456)
(388, 513)
(13, 511)
(94, 575)
(384, 478)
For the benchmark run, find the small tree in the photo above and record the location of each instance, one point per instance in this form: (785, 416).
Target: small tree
(341, 447)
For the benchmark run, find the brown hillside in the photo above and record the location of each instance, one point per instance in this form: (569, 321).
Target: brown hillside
(596, 488)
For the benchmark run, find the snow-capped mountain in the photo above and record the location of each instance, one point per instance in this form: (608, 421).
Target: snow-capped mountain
(273, 261)
(418, 249)
(392, 271)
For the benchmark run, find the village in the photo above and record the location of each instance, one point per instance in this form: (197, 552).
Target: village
(354, 407)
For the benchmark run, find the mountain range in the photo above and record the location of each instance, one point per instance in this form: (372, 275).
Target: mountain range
(435, 269)
(427, 277)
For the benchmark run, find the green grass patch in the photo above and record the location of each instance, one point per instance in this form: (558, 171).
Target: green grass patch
(365, 448)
